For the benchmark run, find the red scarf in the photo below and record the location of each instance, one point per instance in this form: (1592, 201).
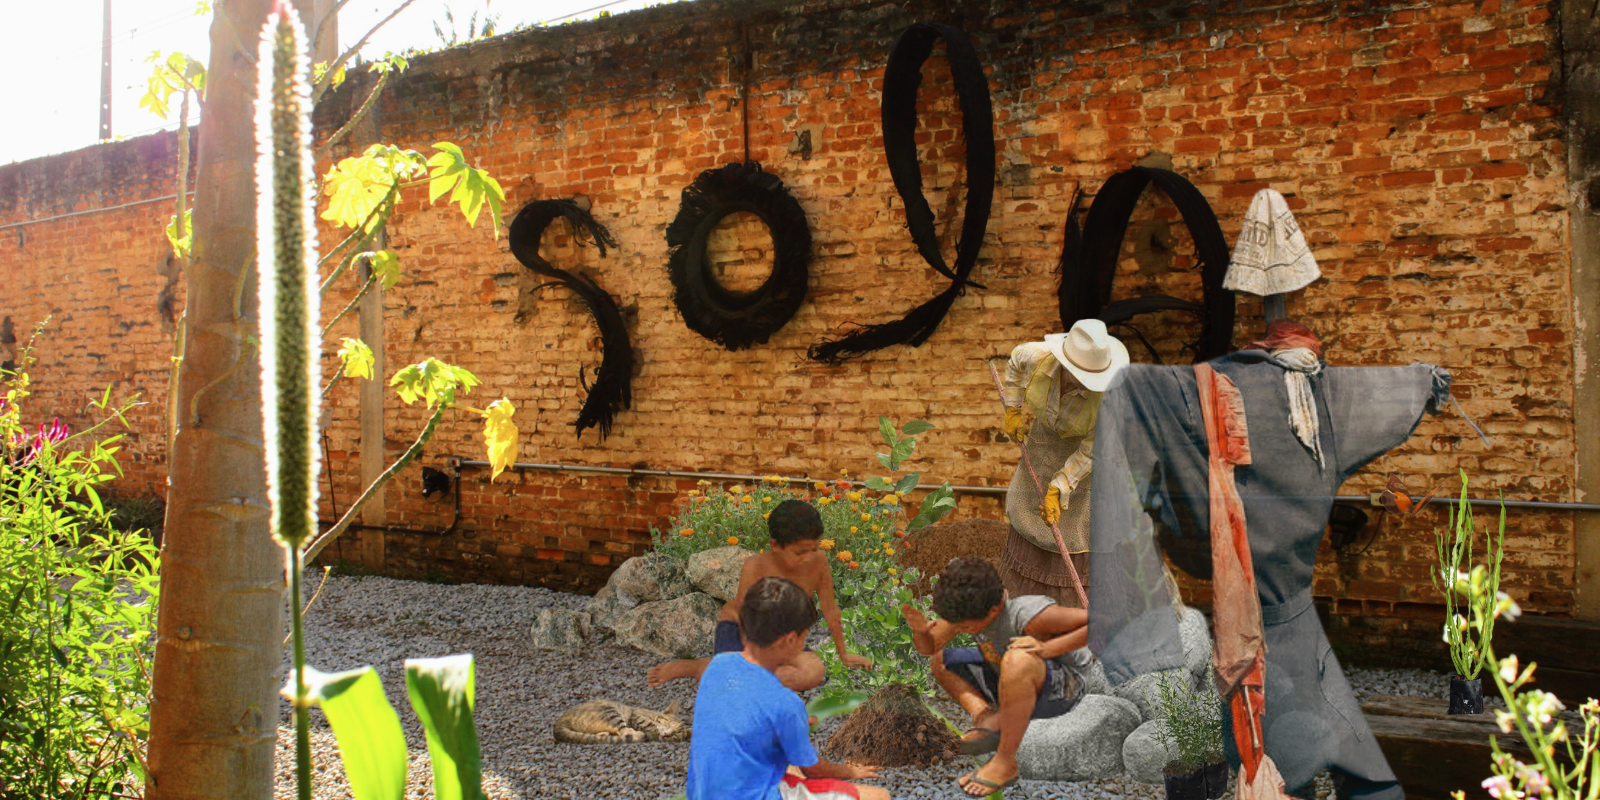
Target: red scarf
(1286, 334)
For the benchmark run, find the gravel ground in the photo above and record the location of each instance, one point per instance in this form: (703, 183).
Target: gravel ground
(521, 691)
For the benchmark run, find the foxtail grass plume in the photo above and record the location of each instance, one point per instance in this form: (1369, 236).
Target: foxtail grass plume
(290, 342)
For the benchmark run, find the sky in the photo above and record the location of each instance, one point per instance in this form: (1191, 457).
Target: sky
(52, 102)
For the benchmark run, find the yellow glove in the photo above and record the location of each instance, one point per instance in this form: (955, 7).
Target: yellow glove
(1050, 510)
(1013, 425)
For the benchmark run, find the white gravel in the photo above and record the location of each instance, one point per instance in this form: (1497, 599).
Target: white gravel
(521, 691)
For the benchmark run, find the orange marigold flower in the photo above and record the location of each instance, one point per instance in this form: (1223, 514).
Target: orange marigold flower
(686, 532)
(767, 515)
(733, 540)
(865, 517)
(842, 484)
(747, 499)
(826, 544)
(844, 555)
(821, 487)
(854, 565)
(901, 534)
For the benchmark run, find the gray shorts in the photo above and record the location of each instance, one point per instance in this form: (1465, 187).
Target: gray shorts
(1061, 691)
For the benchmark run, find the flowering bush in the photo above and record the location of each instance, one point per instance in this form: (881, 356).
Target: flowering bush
(864, 527)
(1467, 638)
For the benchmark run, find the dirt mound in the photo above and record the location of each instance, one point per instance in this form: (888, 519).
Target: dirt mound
(894, 729)
(933, 547)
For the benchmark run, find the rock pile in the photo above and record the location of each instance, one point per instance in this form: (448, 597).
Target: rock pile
(656, 603)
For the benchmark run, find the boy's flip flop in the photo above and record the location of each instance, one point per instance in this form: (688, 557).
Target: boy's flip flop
(987, 743)
(991, 786)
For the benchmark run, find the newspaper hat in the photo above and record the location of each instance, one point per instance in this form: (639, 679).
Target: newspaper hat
(1092, 356)
(1271, 256)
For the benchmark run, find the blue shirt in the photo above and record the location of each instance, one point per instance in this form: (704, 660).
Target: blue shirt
(748, 728)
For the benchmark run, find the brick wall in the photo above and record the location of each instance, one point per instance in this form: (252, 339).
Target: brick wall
(1417, 142)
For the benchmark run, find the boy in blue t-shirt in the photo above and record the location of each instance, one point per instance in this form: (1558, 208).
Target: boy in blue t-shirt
(750, 733)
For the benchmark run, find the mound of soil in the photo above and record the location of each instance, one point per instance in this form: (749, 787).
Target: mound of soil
(933, 547)
(894, 729)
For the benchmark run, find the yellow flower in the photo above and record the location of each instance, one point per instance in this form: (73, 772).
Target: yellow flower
(899, 495)
(874, 529)
(819, 485)
(748, 499)
(703, 483)
(693, 492)
(737, 488)
(766, 498)
(733, 540)
(855, 497)
(826, 544)
(773, 479)
(890, 500)
(888, 550)
(892, 571)
(852, 529)
(844, 473)
(822, 501)
(686, 532)
(865, 517)
(766, 515)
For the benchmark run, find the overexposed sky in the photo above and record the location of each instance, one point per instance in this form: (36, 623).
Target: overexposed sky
(52, 53)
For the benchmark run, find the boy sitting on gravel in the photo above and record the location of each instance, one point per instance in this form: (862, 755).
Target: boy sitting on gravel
(748, 731)
(1040, 674)
(796, 530)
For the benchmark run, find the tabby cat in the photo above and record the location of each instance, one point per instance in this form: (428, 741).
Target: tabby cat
(604, 721)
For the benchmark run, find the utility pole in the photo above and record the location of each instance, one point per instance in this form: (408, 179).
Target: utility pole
(105, 75)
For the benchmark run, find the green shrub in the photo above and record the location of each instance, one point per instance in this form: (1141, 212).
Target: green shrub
(1193, 723)
(76, 638)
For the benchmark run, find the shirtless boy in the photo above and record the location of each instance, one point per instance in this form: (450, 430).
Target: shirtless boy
(796, 530)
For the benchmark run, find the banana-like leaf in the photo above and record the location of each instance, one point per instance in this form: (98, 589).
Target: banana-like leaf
(367, 728)
(441, 691)
(834, 704)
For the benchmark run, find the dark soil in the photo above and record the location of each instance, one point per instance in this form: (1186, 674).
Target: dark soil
(931, 548)
(894, 729)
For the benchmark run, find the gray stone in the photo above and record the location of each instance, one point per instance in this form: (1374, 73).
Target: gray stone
(1195, 632)
(1084, 744)
(650, 577)
(1144, 756)
(561, 629)
(1144, 691)
(716, 571)
(607, 606)
(678, 628)
(1094, 679)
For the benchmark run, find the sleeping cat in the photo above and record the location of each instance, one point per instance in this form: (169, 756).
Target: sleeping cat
(604, 721)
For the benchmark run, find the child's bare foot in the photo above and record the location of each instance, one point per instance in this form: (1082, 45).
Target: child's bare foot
(672, 670)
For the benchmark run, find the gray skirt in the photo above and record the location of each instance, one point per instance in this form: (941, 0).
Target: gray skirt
(1026, 568)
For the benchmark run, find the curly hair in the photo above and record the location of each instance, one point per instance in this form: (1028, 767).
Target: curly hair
(793, 521)
(968, 589)
(774, 607)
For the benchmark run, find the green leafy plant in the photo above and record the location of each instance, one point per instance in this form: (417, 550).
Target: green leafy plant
(1467, 634)
(1566, 762)
(79, 597)
(1191, 730)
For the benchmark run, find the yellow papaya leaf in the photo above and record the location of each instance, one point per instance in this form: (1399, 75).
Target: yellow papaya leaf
(500, 435)
(358, 359)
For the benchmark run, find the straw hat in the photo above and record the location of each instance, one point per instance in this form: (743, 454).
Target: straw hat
(1092, 356)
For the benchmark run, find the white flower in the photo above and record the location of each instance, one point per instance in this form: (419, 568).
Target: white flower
(1508, 668)
(1543, 706)
(1504, 719)
(1499, 787)
(1504, 606)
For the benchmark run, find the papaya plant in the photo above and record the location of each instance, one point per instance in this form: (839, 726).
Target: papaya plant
(290, 346)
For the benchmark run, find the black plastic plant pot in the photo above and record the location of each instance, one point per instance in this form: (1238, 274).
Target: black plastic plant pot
(1188, 786)
(1216, 779)
(1466, 697)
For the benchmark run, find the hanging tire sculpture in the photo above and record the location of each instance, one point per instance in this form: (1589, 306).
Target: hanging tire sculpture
(1089, 260)
(611, 391)
(901, 77)
(738, 320)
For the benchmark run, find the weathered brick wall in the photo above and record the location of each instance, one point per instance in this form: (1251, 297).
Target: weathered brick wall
(1417, 143)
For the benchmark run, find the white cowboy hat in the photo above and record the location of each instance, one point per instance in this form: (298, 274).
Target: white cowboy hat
(1092, 356)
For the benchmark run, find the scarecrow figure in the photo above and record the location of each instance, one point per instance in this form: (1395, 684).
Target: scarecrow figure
(1060, 380)
(1231, 467)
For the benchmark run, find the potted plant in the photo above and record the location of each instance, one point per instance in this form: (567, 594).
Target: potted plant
(1468, 621)
(1191, 732)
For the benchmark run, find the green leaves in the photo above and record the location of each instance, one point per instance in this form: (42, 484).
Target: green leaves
(906, 484)
(935, 506)
(357, 358)
(176, 72)
(366, 726)
(433, 381)
(385, 266)
(470, 188)
(915, 427)
(877, 484)
(900, 447)
(180, 233)
(441, 691)
(886, 430)
(357, 185)
(836, 702)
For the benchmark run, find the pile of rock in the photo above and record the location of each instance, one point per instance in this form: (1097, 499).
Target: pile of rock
(1112, 729)
(656, 603)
